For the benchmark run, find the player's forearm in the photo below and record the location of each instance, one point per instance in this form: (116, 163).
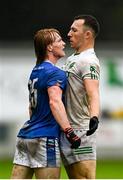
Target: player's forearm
(30, 111)
(59, 113)
(94, 104)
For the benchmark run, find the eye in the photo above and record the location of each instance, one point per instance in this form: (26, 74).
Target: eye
(73, 29)
(60, 39)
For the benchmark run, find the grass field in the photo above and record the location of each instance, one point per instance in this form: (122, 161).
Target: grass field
(107, 169)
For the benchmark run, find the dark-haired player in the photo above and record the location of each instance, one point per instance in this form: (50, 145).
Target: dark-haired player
(82, 98)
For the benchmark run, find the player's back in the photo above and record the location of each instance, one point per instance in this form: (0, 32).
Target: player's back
(42, 122)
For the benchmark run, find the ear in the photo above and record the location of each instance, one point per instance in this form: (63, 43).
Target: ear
(88, 34)
(50, 47)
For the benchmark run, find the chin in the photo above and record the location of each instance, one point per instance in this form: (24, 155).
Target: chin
(62, 55)
(72, 45)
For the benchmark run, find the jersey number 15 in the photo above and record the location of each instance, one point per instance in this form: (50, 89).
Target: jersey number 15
(32, 93)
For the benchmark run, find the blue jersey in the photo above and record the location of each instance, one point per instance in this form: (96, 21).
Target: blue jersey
(42, 122)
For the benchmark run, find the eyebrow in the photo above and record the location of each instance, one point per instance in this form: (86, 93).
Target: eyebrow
(73, 28)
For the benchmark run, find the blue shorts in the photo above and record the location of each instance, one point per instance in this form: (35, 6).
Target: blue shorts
(39, 152)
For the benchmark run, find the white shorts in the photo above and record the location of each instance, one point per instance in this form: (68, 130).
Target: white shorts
(86, 151)
(39, 152)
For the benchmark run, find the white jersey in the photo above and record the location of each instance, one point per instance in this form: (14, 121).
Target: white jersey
(79, 67)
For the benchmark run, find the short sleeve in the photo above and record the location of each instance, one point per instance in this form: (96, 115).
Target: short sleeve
(57, 77)
(90, 71)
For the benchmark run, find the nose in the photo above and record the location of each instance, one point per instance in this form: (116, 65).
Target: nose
(64, 43)
(69, 34)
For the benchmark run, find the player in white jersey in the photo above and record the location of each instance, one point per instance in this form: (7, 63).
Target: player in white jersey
(82, 98)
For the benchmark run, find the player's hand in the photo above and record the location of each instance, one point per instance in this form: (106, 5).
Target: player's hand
(93, 125)
(72, 138)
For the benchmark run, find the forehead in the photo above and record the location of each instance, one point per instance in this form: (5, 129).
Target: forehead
(78, 23)
(56, 35)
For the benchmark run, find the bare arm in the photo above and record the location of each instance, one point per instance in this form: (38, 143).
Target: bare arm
(30, 111)
(92, 89)
(57, 106)
(59, 113)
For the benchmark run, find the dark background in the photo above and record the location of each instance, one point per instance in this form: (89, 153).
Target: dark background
(20, 19)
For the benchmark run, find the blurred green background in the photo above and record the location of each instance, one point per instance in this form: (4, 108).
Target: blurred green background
(106, 169)
(19, 21)
(14, 108)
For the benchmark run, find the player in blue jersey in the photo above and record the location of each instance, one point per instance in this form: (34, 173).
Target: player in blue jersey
(37, 148)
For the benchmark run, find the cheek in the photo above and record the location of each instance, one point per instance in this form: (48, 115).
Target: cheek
(79, 39)
(57, 51)
(76, 39)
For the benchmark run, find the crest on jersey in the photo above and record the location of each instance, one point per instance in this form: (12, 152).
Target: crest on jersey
(94, 73)
(71, 65)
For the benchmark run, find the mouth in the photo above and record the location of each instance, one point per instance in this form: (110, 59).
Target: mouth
(71, 41)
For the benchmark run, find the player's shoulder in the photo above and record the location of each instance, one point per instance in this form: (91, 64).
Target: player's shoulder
(89, 57)
(51, 69)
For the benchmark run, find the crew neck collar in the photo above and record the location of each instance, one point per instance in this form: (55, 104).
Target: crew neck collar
(87, 50)
(49, 62)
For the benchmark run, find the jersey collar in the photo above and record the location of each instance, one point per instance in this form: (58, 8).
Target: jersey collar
(87, 50)
(49, 62)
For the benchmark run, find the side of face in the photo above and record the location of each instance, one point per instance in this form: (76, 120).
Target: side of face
(77, 33)
(57, 47)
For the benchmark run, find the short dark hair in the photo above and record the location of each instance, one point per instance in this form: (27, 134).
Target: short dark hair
(91, 22)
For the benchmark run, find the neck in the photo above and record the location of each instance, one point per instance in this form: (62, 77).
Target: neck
(85, 47)
(51, 58)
